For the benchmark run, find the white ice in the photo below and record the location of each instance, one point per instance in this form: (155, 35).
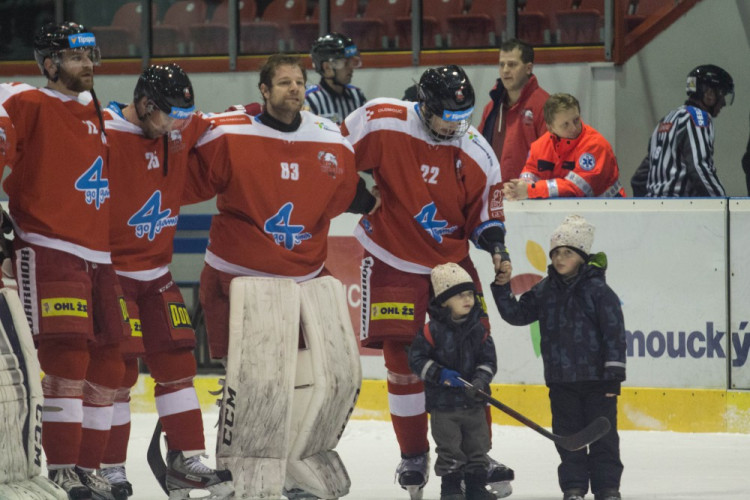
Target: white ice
(658, 465)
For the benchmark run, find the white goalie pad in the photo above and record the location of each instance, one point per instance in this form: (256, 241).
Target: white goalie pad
(253, 440)
(21, 401)
(327, 385)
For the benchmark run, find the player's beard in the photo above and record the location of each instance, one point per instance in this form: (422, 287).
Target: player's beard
(75, 82)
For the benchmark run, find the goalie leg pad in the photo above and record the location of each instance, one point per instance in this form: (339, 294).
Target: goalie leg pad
(326, 389)
(21, 457)
(254, 424)
(37, 488)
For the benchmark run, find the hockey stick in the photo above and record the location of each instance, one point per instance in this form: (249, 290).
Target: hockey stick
(155, 458)
(595, 430)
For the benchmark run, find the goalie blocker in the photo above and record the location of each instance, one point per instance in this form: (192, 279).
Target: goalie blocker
(21, 401)
(293, 377)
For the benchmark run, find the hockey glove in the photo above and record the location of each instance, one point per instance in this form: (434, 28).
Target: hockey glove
(480, 382)
(613, 372)
(450, 378)
(6, 245)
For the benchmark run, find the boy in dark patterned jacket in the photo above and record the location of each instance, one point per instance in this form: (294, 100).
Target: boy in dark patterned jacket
(453, 345)
(583, 349)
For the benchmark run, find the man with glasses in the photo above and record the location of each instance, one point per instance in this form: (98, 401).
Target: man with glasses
(680, 159)
(334, 56)
(58, 191)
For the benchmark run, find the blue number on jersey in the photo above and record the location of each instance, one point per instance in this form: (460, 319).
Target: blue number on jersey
(436, 228)
(282, 231)
(94, 186)
(150, 218)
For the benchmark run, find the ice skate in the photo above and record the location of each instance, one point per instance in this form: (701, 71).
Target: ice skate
(116, 476)
(99, 486)
(187, 474)
(499, 477)
(608, 494)
(68, 480)
(574, 494)
(412, 474)
(298, 494)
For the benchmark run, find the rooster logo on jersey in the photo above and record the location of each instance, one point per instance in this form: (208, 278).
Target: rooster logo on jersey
(329, 164)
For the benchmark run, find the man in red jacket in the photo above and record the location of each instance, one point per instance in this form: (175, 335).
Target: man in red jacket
(514, 117)
(572, 159)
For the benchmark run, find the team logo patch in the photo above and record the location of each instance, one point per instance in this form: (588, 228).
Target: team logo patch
(587, 162)
(496, 203)
(664, 127)
(179, 315)
(392, 310)
(233, 119)
(124, 310)
(527, 117)
(65, 306)
(386, 111)
(329, 164)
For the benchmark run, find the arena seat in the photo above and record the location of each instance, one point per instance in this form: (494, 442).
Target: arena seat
(270, 33)
(306, 31)
(375, 29)
(171, 36)
(122, 37)
(435, 29)
(213, 37)
(481, 26)
(581, 24)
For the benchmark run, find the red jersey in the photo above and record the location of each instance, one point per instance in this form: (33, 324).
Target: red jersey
(58, 187)
(148, 190)
(7, 139)
(276, 193)
(435, 195)
(584, 166)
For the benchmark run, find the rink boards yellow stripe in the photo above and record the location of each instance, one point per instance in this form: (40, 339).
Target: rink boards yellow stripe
(680, 410)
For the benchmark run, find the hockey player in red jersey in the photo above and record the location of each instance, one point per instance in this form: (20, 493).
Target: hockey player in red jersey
(280, 177)
(571, 159)
(149, 141)
(58, 191)
(440, 183)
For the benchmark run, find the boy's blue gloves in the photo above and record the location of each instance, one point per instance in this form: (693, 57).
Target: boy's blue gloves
(450, 378)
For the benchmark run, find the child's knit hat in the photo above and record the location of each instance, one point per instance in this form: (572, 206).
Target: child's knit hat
(449, 280)
(574, 233)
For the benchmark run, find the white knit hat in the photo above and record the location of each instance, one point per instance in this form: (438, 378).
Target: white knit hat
(448, 280)
(575, 233)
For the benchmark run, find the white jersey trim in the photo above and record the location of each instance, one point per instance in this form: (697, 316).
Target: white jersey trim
(222, 265)
(146, 275)
(384, 255)
(63, 246)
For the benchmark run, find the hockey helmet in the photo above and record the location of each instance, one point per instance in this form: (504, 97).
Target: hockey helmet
(169, 88)
(711, 76)
(54, 38)
(446, 93)
(334, 47)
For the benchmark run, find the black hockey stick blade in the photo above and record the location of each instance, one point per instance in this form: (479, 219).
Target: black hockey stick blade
(156, 459)
(592, 432)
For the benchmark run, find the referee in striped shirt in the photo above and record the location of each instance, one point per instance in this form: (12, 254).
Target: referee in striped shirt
(680, 153)
(334, 56)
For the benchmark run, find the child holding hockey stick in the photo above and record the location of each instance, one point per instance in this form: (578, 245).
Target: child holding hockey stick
(583, 350)
(455, 344)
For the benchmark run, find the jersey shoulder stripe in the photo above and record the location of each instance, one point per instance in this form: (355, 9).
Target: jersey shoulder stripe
(700, 117)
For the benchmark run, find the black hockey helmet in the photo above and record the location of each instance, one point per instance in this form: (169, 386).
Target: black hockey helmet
(446, 92)
(711, 76)
(53, 38)
(169, 87)
(332, 47)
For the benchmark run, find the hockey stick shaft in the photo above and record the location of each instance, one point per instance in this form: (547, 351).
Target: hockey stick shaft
(155, 458)
(595, 430)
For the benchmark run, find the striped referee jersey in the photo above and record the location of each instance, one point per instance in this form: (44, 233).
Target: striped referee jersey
(324, 101)
(681, 156)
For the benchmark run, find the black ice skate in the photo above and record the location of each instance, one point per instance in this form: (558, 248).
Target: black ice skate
(116, 476)
(499, 477)
(412, 474)
(574, 494)
(68, 480)
(608, 494)
(187, 474)
(100, 487)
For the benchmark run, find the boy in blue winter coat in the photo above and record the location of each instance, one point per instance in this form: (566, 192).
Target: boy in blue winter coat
(583, 350)
(455, 344)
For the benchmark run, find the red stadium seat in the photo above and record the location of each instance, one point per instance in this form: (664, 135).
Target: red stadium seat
(536, 20)
(270, 33)
(171, 37)
(122, 37)
(213, 37)
(435, 29)
(305, 32)
(639, 10)
(481, 26)
(375, 29)
(582, 24)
